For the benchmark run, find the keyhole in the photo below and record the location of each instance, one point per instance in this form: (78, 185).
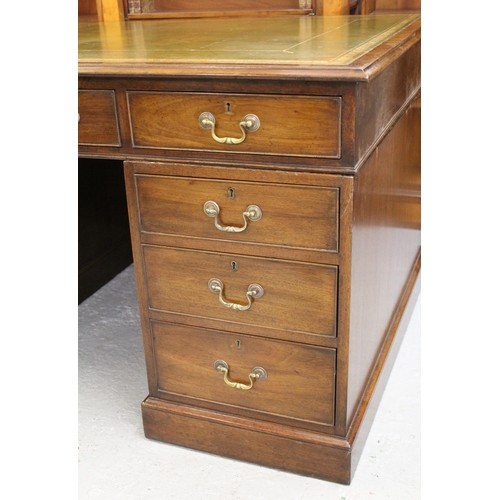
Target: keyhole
(238, 344)
(228, 107)
(233, 266)
(230, 193)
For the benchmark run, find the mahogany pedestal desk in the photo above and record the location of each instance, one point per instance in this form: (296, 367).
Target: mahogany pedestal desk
(273, 186)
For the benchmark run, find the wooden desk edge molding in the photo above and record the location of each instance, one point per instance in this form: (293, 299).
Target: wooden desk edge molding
(272, 173)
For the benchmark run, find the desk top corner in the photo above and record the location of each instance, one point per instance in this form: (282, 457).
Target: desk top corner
(343, 47)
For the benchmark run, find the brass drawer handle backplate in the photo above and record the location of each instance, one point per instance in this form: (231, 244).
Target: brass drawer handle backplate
(252, 212)
(258, 373)
(254, 291)
(250, 123)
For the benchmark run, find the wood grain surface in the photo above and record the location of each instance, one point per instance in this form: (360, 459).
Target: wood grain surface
(288, 125)
(177, 282)
(292, 216)
(295, 386)
(98, 120)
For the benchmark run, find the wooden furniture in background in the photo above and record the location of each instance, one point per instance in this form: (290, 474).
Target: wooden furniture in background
(101, 10)
(142, 9)
(87, 10)
(273, 185)
(389, 6)
(118, 10)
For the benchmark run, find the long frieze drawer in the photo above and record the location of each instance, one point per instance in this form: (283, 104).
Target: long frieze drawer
(283, 125)
(279, 378)
(97, 118)
(251, 291)
(289, 216)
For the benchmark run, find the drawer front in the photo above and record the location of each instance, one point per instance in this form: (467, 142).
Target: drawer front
(288, 216)
(97, 118)
(298, 383)
(297, 297)
(295, 126)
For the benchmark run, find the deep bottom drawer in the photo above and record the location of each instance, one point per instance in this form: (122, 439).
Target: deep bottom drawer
(299, 380)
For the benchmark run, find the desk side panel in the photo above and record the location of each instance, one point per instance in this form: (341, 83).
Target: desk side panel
(385, 246)
(380, 102)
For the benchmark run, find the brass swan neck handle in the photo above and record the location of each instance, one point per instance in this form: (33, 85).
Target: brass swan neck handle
(258, 373)
(252, 212)
(254, 291)
(250, 123)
